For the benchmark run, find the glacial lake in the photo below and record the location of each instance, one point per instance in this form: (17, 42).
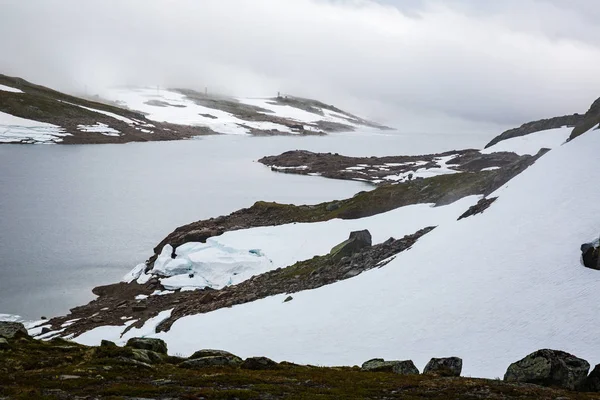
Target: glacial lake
(75, 217)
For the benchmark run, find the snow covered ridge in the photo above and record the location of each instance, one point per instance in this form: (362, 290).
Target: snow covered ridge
(34, 114)
(285, 115)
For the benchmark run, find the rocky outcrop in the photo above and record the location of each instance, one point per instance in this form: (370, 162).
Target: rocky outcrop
(211, 358)
(537, 126)
(590, 120)
(549, 368)
(357, 241)
(10, 330)
(450, 366)
(406, 367)
(592, 382)
(155, 345)
(259, 363)
(478, 208)
(590, 255)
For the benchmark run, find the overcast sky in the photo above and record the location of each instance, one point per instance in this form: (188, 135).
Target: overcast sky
(411, 62)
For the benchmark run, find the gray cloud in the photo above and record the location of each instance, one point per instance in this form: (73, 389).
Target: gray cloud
(418, 64)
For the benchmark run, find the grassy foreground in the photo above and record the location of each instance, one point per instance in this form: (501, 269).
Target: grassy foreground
(31, 369)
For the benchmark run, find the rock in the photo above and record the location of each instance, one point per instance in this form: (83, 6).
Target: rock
(589, 254)
(138, 307)
(451, 366)
(352, 273)
(68, 377)
(592, 382)
(45, 330)
(9, 330)
(4, 344)
(332, 206)
(107, 343)
(549, 368)
(406, 367)
(155, 345)
(131, 361)
(259, 363)
(146, 356)
(289, 298)
(211, 353)
(211, 361)
(357, 241)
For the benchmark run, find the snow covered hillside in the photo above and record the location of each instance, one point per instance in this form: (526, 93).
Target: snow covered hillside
(237, 116)
(490, 288)
(143, 114)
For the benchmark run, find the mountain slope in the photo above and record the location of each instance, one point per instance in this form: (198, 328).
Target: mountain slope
(31, 113)
(490, 288)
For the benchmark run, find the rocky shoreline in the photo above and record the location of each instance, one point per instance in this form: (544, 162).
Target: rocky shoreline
(144, 369)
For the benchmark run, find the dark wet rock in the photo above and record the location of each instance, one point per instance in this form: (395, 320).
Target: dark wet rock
(45, 330)
(259, 363)
(590, 255)
(450, 366)
(155, 345)
(211, 361)
(107, 343)
(357, 241)
(289, 298)
(406, 367)
(549, 368)
(537, 126)
(592, 382)
(478, 208)
(9, 330)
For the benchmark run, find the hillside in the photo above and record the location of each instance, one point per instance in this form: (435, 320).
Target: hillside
(31, 113)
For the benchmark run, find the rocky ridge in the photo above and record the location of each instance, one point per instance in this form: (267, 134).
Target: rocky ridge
(143, 369)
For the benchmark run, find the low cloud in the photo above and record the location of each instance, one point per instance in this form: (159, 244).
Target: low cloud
(415, 64)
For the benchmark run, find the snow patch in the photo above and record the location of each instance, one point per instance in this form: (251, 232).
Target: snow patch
(5, 88)
(99, 128)
(20, 130)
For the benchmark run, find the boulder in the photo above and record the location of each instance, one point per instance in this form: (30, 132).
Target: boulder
(589, 255)
(9, 330)
(155, 345)
(592, 382)
(358, 240)
(259, 363)
(146, 356)
(211, 361)
(549, 368)
(211, 353)
(450, 366)
(4, 344)
(107, 343)
(406, 367)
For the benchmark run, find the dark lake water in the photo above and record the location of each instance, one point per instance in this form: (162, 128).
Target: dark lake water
(75, 217)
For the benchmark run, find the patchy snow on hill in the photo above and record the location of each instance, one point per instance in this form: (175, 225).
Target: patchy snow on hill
(236, 256)
(20, 130)
(532, 143)
(5, 88)
(99, 128)
(176, 108)
(490, 288)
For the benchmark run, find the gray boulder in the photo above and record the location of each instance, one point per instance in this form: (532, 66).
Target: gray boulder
(406, 367)
(549, 368)
(211, 361)
(211, 353)
(155, 345)
(9, 330)
(146, 356)
(450, 366)
(358, 240)
(259, 363)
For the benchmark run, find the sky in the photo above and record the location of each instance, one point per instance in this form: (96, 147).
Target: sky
(416, 64)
